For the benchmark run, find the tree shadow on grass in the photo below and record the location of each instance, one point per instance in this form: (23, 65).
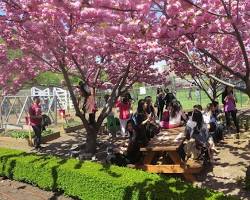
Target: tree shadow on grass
(79, 164)
(106, 168)
(165, 189)
(11, 166)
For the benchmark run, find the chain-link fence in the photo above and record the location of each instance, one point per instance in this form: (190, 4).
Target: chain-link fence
(190, 96)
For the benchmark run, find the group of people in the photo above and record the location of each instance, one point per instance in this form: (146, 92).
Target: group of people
(203, 128)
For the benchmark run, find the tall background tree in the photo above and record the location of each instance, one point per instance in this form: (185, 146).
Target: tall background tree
(82, 38)
(191, 33)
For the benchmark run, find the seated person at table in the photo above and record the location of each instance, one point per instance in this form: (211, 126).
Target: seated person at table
(210, 119)
(218, 113)
(199, 138)
(136, 140)
(198, 107)
(150, 108)
(145, 123)
(137, 129)
(173, 117)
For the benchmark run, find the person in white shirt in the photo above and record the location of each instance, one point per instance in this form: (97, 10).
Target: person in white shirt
(173, 117)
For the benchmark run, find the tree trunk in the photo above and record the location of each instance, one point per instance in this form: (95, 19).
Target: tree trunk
(91, 139)
(248, 88)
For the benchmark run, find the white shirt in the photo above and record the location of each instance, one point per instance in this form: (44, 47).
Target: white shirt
(176, 119)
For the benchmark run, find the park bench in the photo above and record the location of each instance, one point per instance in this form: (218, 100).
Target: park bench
(167, 142)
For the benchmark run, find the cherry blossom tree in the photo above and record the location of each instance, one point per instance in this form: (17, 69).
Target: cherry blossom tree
(76, 37)
(208, 37)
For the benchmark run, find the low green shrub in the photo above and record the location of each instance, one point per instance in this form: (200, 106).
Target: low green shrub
(93, 181)
(22, 134)
(71, 123)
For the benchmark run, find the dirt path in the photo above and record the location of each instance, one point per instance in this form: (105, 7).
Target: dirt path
(13, 190)
(228, 172)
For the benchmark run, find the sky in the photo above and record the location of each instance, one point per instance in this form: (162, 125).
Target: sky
(1, 12)
(160, 65)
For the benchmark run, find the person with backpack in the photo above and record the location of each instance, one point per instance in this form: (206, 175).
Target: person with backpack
(35, 116)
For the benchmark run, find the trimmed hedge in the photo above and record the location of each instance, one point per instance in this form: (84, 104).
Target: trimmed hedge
(92, 181)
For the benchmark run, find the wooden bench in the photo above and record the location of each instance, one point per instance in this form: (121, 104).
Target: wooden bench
(166, 143)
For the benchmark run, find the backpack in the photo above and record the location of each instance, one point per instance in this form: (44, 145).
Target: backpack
(134, 119)
(46, 121)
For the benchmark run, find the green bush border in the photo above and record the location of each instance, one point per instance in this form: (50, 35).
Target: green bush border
(24, 134)
(93, 181)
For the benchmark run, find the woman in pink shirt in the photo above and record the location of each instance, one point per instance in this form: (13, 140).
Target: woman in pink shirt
(124, 109)
(229, 102)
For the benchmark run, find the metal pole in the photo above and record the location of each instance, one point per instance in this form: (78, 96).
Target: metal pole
(200, 95)
(241, 99)
(22, 110)
(1, 124)
(55, 109)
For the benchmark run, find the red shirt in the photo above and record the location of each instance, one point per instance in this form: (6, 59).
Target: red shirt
(35, 110)
(124, 110)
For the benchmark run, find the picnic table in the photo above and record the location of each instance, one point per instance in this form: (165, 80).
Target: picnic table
(167, 142)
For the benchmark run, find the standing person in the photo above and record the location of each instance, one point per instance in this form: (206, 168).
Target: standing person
(124, 106)
(90, 106)
(84, 92)
(169, 97)
(5, 107)
(197, 95)
(35, 115)
(160, 102)
(229, 102)
(190, 94)
(78, 94)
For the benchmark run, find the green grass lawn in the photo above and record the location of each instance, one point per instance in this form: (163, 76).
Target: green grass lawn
(182, 94)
